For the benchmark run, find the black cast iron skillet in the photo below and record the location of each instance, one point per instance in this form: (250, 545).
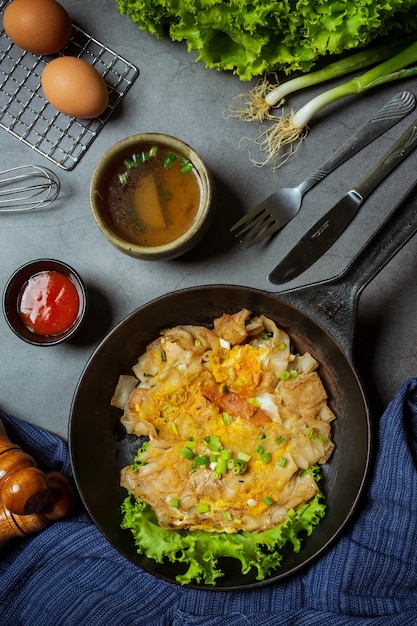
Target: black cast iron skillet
(319, 318)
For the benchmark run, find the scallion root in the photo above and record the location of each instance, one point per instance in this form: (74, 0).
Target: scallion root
(252, 106)
(280, 141)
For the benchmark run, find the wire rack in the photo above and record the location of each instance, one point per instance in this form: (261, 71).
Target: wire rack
(26, 114)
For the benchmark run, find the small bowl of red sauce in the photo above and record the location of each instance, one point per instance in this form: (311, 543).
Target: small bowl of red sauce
(44, 302)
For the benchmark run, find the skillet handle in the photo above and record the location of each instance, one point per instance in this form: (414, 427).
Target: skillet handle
(333, 303)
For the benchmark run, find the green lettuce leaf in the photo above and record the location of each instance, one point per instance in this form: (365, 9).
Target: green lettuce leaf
(200, 550)
(250, 37)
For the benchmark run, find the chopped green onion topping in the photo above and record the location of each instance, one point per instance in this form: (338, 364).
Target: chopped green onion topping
(282, 462)
(201, 460)
(280, 440)
(123, 178)
(153, 151)
(242, 456)
(227, 516)
(213, 443)
(259, 449)
(268, 501)
(285, 375)
(174, 428)
(254, 402)
(203, 508)
(187, 453)
(186, 166)
(226, 418)
(281, 346)
(240, 467)
(266, 457)
(221, 466)
(169, 159)
(226, 454)
(175, 503)
(225, 389)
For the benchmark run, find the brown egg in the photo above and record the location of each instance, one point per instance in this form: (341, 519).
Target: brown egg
(38, 26)
(74, 87)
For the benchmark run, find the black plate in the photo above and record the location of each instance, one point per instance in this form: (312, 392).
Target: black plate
(100, 447)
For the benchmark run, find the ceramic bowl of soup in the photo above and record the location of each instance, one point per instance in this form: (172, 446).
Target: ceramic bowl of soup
(152, 196)
(44, 302)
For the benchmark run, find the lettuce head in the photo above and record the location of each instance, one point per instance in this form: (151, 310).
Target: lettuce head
(251, 37)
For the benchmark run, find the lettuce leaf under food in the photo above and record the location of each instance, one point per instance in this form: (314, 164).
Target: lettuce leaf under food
(251, 37)
(200, 550)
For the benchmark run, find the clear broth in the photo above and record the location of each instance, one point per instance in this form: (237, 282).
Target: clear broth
(153, 202)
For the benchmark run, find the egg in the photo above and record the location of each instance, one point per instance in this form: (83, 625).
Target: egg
(74, 87)
(38, 26)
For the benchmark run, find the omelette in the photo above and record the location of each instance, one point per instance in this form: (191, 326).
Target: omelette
(233, 418)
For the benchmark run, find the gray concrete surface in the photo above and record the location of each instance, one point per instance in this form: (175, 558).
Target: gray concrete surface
(174, 94)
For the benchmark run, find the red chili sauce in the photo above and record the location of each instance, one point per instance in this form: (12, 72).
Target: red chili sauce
(48, 303)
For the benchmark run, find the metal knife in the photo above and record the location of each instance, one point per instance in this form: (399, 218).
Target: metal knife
(328, 229)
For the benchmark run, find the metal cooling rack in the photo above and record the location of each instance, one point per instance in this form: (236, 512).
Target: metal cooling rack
(26, 114)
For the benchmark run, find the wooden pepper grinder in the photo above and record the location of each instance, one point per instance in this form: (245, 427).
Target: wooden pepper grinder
(29, 498)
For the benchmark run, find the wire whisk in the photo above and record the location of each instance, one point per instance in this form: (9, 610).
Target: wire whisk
(27, 187)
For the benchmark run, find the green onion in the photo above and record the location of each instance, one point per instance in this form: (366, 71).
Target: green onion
(175, 503)
(282, 462)
(203, 508)
(123, 178)
(240, 467)
(284, 375)
(293, 127)
(280, 440)
(259, 449)
(216, 476)
(201, 460)
(227, 516)
(169, 159)
(221, 466)
(187, 453)
(225, 389)
(153, 151)
(226, 418)
(174, 428)
(352, 63)
(226, 454)
(266, 457)
(242, 456)
(254, 402)
(268, 501)
(281, 346)
(186, 166)
(213, 443)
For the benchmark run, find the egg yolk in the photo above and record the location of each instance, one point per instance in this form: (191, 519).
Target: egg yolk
(48, 303)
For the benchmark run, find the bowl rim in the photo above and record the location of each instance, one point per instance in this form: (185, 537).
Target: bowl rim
(204, 177)
(14, 286)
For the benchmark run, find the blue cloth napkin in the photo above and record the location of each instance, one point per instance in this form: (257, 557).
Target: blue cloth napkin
(70, 575)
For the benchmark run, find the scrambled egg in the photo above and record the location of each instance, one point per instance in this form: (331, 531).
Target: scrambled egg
(233, 419)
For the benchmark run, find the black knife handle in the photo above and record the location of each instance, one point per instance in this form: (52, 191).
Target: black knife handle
(405, 144)
(392, 112)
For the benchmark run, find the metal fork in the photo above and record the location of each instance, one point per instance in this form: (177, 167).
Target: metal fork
(283, 205)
